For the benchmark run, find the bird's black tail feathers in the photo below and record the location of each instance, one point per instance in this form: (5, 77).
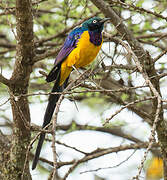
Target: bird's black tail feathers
(53, 98)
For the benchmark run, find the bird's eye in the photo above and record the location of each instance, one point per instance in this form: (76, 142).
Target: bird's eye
(94, 21)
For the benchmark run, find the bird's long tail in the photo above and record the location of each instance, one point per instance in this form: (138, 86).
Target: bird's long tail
(53, 98)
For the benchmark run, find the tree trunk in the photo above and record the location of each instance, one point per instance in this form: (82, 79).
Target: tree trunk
(16, 165)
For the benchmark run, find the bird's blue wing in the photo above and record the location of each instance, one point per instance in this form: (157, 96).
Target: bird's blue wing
(69, 44)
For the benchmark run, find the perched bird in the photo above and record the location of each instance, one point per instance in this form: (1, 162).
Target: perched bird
(79, 49)
(154, 170)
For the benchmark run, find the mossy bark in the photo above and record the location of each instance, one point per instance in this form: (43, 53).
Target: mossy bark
(15, 166)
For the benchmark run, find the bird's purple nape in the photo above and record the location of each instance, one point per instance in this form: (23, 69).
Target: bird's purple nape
(95, 38)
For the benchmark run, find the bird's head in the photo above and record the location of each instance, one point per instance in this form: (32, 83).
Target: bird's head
(95, 24)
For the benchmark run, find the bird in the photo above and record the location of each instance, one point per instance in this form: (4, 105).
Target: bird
(79, 49)
(154, 169)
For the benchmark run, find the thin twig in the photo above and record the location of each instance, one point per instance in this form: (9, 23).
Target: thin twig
(117, 165)
(159, 56)
(54, 124)
(156, 94)
(101, 152)
(30, 146)
(55, 121)
(126, 106)
(138, 9)
(5, 102)
(92, 89)
(151, 140)
(71, 147)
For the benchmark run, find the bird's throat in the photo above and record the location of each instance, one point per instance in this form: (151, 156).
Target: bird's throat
(95, 38)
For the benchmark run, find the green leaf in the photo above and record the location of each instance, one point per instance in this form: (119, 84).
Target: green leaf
(139, 3)
(124, 97)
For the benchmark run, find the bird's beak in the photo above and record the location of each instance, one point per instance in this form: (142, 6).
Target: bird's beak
(104, 20)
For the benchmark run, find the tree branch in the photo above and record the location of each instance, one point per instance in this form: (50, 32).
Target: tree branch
(4, 80)
(101, 152)
(145, 65)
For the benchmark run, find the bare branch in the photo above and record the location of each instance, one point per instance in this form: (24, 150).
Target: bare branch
(46, 54)
(54, 123)
(110, 167)
(4, 80)
(151, 140)
(137, 9)
(100, 152)
(126, 106)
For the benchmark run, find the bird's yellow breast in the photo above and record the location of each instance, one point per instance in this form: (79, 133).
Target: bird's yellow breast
(82, 55)
(87, 51)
